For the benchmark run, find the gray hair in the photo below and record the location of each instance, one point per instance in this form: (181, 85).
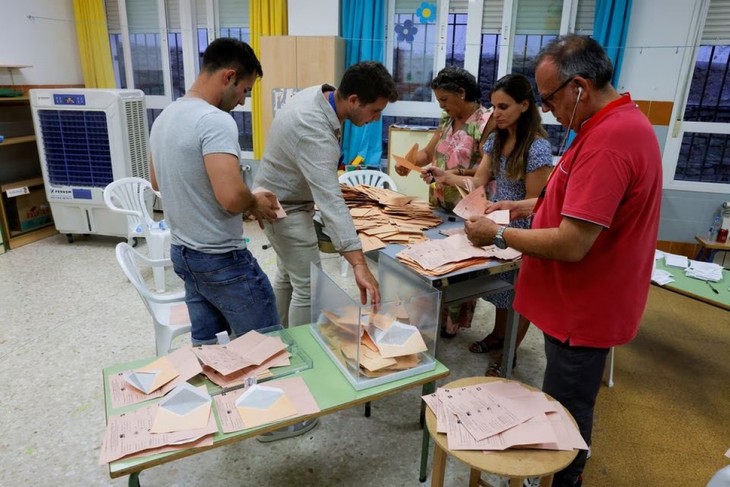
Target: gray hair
(576, 55)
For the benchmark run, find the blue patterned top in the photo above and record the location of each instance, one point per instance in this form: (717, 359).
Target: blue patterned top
(539, 155)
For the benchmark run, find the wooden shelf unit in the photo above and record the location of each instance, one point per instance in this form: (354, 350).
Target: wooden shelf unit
(19, 168)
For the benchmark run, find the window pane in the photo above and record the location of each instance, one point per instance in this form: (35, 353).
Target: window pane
(456, 40)
(152, 114)
(525, 52)
(488, 64)
(145, 42)
(709, 93)
(409, 121)
(704, 158)
(413, 53)
(556, 134)
(245, 131)
(117, 50)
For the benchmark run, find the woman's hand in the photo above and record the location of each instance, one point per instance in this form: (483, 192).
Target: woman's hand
(433, 174)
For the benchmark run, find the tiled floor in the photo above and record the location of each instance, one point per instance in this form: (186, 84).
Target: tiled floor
(66, 311)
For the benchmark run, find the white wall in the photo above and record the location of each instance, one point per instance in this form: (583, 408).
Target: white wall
(656, 47)
(313, 17)
(47, 42)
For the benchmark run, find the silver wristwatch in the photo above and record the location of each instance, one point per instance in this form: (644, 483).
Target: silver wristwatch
(499, 239)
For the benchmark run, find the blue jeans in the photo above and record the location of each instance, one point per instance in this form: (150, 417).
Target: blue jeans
(573, 377)
(224, 292)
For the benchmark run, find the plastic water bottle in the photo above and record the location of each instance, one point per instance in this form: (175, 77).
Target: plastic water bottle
(715, 228)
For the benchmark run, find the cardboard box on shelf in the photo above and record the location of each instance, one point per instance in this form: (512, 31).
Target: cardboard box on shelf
(28, 211)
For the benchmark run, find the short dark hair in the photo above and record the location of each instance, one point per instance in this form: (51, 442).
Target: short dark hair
(369, 80)
(576, 55)
(454, 79)
(230, 53)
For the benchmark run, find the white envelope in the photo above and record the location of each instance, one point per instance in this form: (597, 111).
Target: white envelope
(184, 408)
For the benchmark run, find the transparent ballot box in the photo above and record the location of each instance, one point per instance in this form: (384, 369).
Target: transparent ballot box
(375, 346)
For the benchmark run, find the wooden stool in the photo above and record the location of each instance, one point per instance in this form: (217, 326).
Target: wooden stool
(516, 464)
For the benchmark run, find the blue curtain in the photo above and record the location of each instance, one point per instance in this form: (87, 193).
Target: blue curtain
(363, 28)
(610, 26)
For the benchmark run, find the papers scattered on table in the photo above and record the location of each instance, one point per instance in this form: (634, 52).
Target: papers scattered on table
(248, 350)
(131, 432)
(661, 277)
(438, 257)
(383, 216)
(500, 415)
(705, 271)
(674, 260)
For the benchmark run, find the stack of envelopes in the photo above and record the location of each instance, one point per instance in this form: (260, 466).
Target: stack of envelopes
(377, 343)
(382, 216)
(500, 415)
(439, 257)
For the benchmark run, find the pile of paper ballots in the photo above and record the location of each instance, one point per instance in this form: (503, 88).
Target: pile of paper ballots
(502, 414)
(182, 418)
(705, 271)
(442, 256)
(379, 342)
(382, 216)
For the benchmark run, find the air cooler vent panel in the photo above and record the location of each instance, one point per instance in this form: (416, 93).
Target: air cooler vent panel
(139, 161)
(76, 145)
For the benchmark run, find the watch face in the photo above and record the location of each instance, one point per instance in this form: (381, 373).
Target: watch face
(499, 242)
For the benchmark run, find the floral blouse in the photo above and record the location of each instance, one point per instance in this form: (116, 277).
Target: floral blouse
(457, 148)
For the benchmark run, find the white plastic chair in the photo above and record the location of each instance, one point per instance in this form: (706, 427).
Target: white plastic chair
(370, 177)
(168, 310)
(131, 197)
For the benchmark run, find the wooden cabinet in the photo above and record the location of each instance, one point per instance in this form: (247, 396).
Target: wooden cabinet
(298, 62)
(24, 212)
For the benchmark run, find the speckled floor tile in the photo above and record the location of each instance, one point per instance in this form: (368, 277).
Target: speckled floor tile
(66, 311)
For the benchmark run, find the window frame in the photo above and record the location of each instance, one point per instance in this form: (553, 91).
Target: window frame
(678, 126)
(430, 109)
(190, 55)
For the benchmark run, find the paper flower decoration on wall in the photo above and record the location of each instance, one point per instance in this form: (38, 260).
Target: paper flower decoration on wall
(427, 13)
(406, 31)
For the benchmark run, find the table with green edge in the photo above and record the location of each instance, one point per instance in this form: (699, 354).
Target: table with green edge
(329, 387)
(698, 289)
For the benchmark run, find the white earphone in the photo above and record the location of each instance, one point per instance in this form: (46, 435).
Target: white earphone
(580, 92)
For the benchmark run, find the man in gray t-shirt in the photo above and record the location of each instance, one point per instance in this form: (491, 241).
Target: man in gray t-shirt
(300, 168)
(196, 164)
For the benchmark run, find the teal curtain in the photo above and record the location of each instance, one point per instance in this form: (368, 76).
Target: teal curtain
(363, 28)
(610, 27)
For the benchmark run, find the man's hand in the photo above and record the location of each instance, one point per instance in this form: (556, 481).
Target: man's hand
(367, 284)
(517, 209)
(480, 230)
(266, 207)
(433, 174)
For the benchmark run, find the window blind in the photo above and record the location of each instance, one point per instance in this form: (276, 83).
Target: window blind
(584, 17)
(717, 25)
(492, 17)
(539, 16)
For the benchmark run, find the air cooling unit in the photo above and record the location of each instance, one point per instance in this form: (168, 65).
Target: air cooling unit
(88, 138)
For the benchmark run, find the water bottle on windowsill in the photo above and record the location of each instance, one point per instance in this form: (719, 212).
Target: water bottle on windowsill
(715, 228)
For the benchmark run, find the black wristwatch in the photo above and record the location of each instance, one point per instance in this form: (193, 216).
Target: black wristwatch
(499, 239)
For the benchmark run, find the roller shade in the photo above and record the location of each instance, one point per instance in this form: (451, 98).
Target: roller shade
(717, 25)
(539, 16)
(492, 17)
(584, 17)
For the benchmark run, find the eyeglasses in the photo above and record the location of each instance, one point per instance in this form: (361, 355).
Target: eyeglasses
(546, 100)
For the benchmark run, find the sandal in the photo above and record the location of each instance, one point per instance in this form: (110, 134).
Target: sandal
(495, 368)
(487, 344)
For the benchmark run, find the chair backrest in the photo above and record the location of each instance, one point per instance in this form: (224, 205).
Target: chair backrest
(370, 177)
(132, 263)
(129, 197)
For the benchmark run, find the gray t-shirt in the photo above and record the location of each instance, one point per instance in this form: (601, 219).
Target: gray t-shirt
(300, 164)
(185, 131)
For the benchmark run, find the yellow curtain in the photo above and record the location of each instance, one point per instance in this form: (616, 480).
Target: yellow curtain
(267, 18)
(93, 38)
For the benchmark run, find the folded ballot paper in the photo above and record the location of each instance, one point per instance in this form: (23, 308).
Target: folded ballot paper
(398, 340)
(260, 405)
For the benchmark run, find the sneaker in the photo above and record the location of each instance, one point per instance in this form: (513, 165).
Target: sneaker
(289, 431)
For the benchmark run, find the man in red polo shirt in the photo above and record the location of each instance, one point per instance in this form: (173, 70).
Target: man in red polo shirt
(587, 263)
